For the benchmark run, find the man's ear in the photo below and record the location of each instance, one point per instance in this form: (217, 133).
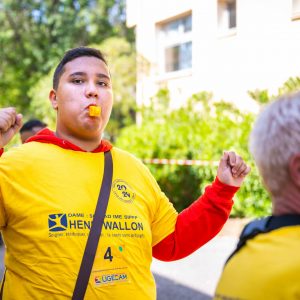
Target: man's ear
(294, 169)
(53, 99)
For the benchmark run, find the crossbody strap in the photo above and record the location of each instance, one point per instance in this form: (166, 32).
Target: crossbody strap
(95, 231)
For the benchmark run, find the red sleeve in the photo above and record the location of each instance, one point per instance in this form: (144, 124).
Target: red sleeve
(198, 223)
(1, 151)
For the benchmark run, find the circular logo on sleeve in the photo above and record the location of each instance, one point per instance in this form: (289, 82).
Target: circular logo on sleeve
(123, 191)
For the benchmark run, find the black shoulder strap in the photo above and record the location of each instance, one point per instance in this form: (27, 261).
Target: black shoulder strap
(95, 232)
(264, 225)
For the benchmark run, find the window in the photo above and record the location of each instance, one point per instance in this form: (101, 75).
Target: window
(296, 9)
(226, 15)
(175, 45)
(178, 57)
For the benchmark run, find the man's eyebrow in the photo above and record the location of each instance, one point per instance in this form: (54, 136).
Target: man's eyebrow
(99, 75)
(77, 73)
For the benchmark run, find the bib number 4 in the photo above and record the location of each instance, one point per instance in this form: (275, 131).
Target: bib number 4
(108, 254)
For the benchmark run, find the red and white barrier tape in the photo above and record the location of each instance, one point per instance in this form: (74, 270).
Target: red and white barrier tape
(181, 162)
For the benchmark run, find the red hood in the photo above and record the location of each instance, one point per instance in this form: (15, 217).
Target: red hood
(47, 136)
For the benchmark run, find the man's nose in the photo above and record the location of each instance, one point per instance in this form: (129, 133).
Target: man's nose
(91, 90)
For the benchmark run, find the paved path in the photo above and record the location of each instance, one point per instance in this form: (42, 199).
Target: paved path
(196, 276)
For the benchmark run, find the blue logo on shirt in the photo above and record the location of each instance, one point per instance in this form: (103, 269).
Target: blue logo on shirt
(57, 222)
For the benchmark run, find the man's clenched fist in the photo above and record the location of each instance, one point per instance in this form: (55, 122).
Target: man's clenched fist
(10, 124)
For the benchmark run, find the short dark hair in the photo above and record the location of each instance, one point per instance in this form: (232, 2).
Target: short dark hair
(29, 125)
(71, 55)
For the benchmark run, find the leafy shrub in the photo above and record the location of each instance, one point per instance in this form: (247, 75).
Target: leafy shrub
(201, 130)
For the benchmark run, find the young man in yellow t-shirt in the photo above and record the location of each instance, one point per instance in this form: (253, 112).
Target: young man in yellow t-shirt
(49, 188)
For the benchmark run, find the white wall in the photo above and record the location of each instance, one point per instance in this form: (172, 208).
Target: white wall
(261, 53)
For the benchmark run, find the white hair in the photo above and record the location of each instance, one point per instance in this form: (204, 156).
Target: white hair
(275, 138)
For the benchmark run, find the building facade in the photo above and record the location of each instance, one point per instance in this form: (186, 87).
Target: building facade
(227, 47)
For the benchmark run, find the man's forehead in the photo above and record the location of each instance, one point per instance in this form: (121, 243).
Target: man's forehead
(85, 65)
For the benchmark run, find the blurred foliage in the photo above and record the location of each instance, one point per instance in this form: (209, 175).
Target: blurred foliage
(291, 85)
(35, 34)
(40, 106)
(263, 96)
(200, 130)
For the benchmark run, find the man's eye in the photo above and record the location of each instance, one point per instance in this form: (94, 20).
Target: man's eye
(102, 83)
(77, 81)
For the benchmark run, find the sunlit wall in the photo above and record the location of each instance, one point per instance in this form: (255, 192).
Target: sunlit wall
(227, 47)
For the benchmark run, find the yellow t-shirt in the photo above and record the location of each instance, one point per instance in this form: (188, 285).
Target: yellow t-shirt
(47, 199)
(266, 268)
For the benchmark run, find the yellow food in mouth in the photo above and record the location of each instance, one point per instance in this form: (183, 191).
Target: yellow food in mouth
(94, 111)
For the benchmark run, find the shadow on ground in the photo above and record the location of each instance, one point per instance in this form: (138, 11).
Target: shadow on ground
(171, 290)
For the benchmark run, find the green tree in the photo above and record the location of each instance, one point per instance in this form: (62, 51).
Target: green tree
(34, 33)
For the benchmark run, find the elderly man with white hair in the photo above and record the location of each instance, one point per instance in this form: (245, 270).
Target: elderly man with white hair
(266, 263)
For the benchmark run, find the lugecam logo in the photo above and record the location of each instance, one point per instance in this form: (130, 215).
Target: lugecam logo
(57, 222)
(110, 278)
